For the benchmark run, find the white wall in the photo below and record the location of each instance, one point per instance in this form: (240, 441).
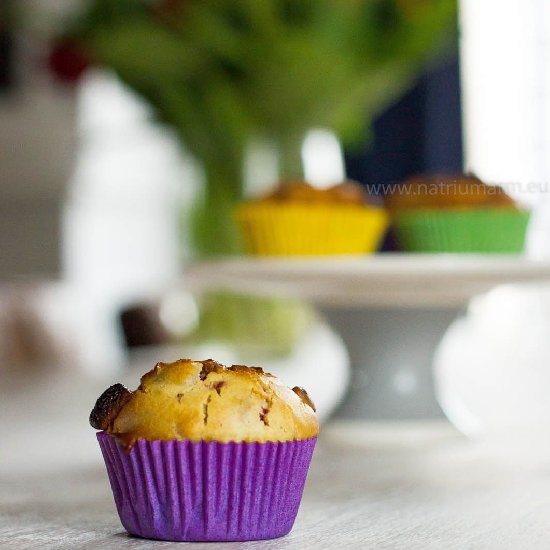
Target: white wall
(505, 60)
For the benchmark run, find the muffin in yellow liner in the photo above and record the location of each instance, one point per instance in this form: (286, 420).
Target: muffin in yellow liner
(299, 220)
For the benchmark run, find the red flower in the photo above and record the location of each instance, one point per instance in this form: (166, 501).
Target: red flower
(68, 61)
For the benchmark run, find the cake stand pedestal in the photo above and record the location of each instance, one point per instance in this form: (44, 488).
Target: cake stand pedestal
(391, 310)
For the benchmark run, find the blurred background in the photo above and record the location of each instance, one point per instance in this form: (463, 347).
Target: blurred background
(153, 165)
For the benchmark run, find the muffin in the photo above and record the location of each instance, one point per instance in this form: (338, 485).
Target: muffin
(455, 214)
(201, 452)
(298, 219)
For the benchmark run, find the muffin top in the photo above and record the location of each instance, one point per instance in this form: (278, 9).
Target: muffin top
(347, 193)
(205, 401)
(443, 191)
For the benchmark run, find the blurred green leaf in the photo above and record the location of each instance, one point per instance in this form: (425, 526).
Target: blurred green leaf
(244, 67)
(223, 71)
(145, 52)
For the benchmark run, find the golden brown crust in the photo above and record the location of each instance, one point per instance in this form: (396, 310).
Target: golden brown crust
(203, 400)
(347, 193)
(108, 406)
(303, 395)
(440, 191)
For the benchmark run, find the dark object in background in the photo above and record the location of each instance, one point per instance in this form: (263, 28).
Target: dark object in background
(6, 45)
(421, 133)
(141, 326)
(68, 61)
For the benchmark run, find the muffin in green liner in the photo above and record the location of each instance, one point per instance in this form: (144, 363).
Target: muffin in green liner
(497, 230)
(442, 213)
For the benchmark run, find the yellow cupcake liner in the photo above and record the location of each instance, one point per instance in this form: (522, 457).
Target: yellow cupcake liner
(311, 230)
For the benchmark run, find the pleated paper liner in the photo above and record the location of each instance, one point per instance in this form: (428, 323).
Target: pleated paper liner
(207, 491)
(301, 229)
(496, 230)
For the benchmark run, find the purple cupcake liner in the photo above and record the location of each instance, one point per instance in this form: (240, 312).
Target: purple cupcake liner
(207, 491)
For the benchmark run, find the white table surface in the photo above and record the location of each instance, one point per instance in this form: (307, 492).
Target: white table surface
(371, 485)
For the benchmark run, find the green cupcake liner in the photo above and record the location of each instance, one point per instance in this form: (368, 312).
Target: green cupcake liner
(475, 230)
